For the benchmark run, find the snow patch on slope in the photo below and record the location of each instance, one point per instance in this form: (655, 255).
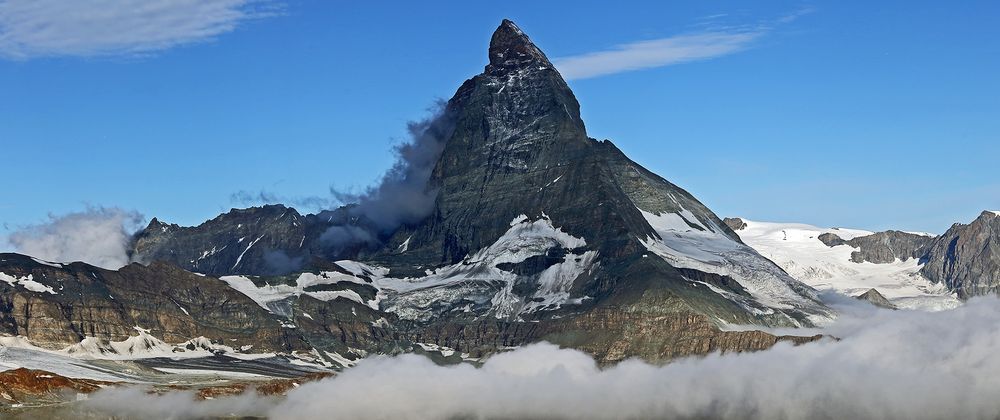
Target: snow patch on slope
(26, 282)
(797, 250)
(413, 297)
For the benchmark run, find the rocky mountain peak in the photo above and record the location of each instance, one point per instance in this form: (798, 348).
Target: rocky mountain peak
(511, 47)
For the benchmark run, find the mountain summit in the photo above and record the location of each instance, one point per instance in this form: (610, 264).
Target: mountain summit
(511, 47)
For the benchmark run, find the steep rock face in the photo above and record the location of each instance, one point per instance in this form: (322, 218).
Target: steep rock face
(966, 258)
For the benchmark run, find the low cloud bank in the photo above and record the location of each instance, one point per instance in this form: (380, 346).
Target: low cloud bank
(887, 364)
(137, 402)
(99, 236)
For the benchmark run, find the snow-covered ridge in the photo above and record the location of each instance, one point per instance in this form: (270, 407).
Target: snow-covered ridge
(796, 248)
(684, 241)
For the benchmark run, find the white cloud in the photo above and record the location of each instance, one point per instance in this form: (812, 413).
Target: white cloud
(654, 53)
(40, 28)
(888, 364)
(668, 51)
(98, 236)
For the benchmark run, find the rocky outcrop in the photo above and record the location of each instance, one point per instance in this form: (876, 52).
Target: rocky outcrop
(873, 297)
(966, 258)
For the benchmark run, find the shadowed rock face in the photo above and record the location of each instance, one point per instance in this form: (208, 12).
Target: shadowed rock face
(966, 258)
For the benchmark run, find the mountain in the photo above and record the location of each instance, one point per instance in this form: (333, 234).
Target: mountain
(966, 258)
(537, 232)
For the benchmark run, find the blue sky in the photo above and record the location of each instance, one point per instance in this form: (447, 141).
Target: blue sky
(829, 113)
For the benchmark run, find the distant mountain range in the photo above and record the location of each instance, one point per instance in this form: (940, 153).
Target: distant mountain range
(914, 270)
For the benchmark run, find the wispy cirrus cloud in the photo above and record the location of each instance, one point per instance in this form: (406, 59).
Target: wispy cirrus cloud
(713, 41)
(86, 28)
